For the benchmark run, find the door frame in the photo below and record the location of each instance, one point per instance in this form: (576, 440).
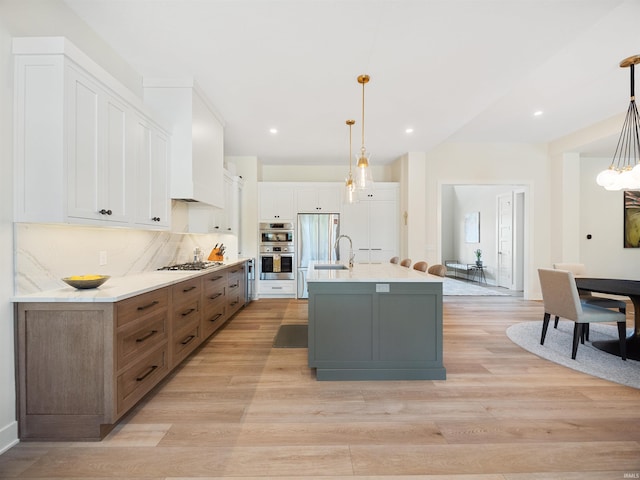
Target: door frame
(523, 191)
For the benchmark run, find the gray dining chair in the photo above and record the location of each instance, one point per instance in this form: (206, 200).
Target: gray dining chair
(580, 270)
(560, 298)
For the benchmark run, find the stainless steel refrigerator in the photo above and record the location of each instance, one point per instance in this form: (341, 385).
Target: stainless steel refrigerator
(316, 237)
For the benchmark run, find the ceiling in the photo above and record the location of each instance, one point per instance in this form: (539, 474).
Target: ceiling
(453, 70)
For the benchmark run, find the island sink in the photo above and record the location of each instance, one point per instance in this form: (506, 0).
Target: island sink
(330, 266)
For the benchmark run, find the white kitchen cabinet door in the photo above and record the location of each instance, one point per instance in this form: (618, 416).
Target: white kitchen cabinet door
(318, 199)
(152, 163)
(276, 202)
(98, 163)
(372, 225)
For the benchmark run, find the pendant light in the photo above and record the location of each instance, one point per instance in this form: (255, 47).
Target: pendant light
(364, 179)
(349, 183)
(624, 171)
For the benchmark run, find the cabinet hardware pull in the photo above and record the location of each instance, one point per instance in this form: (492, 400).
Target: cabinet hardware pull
(213, 297)
(233, 286)
(215, 318)
(188, 312)
(105, 212)
(155, 219)
(149, 305)
(216, 278)
(187, 340)
(376, 249)
(233, 304)
(276, 288)
(147, 373)
(188, 289)
(143, 338)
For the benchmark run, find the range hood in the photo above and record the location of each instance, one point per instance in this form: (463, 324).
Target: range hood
(197, 139)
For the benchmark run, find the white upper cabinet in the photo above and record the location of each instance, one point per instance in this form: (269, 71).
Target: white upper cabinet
(372, 223)
(312, 198)
(197, 141)
(276, 201)
(152, 150)
(76, 157)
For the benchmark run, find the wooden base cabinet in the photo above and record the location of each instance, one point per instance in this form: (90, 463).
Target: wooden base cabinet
(82, 365)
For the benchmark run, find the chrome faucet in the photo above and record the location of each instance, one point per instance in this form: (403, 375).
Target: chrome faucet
(351, 254)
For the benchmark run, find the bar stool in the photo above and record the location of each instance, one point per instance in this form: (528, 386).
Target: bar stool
(406, 262)
(394, 260)
(421, 266)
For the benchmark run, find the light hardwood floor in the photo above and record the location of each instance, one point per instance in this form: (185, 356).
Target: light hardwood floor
(240, 409)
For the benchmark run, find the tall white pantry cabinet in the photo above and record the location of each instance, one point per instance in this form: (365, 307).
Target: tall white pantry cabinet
(87, 151)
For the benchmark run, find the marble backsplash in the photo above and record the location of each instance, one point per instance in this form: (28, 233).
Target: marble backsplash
(45, 253)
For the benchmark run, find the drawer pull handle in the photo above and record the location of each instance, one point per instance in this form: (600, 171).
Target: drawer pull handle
(143, 338)
(215, 317)
(149, 305)
(105, 212)
(213, 297)
(188, 339)
(188, 289)
(233, 304)
(189, 312)
(277, 288)
(147, 373)
(233, 286)
(216, 278)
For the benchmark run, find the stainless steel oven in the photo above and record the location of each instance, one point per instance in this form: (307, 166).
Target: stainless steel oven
(277, 256)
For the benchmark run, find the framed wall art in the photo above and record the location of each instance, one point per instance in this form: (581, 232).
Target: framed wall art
(472, 227)
(632, 219)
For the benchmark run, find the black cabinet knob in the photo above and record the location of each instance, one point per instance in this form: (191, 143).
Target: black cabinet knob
(105, 212)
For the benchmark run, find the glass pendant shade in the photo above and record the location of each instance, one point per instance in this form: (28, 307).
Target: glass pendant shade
(364, 178)
(624, 171)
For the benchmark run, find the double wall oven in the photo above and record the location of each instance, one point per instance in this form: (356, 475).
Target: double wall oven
(277, 251)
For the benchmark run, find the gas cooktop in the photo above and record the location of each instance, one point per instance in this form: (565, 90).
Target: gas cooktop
(192, 266)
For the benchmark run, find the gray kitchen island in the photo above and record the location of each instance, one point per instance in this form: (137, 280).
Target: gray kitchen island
(374, 322)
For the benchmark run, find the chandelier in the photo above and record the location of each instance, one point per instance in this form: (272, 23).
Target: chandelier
(624, 171)
(364, 179)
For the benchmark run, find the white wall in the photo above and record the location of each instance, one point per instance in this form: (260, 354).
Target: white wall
(601, 215)
(8, 424)
(495, 164)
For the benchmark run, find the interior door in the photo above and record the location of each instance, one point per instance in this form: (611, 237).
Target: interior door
(505, 240)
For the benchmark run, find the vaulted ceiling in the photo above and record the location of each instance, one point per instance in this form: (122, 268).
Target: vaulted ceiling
(452, 70)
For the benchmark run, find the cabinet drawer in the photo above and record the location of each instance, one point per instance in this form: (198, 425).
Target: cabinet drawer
(186, 292)
(134, 382)
(185, 342)
(137, 339)
(214, 316)
(186, 314)
(140, 306)
(213, 281)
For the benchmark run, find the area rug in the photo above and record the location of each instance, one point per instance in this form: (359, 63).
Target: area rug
(590, 360)
(451, 286)
(291, 336)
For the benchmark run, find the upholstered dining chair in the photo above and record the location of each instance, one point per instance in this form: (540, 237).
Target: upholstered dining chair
(406, 262)
(579, 269)
(438, 269)
(560, 298)
(421, 266)
(394, 260)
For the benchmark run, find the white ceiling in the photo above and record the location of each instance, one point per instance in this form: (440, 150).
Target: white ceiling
(453, 70)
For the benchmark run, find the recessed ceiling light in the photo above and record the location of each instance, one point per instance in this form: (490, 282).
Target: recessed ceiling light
(538, 113)
(409, 130)
(273, 130)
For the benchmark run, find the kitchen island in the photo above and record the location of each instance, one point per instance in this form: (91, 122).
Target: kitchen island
(374, 322)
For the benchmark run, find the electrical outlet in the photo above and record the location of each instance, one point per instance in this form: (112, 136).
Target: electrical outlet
(102, 260)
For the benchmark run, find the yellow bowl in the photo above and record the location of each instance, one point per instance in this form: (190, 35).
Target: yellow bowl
(86, 281)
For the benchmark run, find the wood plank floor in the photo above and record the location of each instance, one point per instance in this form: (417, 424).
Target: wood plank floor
(240, 409)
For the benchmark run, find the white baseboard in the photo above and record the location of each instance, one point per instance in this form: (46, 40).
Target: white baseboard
(8, 436)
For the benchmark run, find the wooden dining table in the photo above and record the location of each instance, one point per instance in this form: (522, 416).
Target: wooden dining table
(628, 288)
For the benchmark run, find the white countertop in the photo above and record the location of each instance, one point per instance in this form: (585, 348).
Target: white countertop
(369, 272)
(119, 288)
